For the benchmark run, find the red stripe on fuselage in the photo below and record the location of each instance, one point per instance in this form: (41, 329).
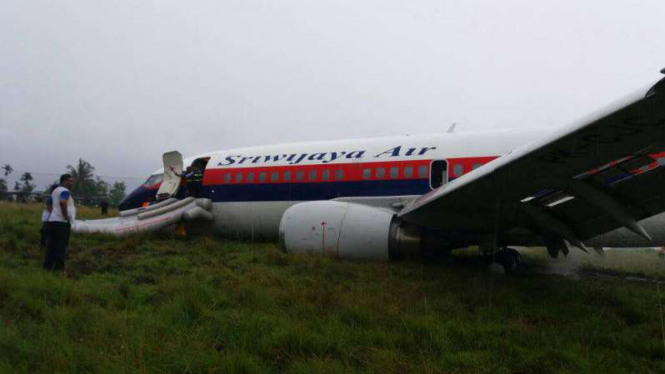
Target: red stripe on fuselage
(350, 172)
(153, 187)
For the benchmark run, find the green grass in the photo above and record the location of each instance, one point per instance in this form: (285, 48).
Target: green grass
(159, 304)
(639, 263)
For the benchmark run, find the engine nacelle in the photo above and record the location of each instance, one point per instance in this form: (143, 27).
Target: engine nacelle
(347, 230)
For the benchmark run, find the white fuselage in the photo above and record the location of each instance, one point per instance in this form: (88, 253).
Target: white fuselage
(250, 188)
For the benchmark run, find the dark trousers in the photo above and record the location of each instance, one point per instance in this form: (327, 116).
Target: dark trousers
(194, 189)
(44, 234)
(56, 248)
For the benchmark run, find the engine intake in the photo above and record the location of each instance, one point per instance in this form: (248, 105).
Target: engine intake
(349, 231)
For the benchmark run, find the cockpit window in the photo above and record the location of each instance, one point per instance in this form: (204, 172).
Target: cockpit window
(153, 180)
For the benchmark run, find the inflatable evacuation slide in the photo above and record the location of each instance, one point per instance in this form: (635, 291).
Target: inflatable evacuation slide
(157, 216)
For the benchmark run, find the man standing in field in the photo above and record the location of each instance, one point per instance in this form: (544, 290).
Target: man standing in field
(104, 204)
(62, 215)
(48, 208)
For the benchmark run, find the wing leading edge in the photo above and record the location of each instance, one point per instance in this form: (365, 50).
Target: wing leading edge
(599, 174)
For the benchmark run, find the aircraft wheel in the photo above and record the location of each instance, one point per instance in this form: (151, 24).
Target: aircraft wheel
(509, 258)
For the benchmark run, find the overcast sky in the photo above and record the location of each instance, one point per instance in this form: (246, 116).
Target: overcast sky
(118, 83)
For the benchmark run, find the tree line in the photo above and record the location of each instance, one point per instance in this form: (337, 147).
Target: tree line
(88, 189)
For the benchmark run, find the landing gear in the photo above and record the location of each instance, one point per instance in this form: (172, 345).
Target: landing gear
(508, 258)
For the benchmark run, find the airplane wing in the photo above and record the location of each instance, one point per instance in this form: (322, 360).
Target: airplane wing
(602, 173)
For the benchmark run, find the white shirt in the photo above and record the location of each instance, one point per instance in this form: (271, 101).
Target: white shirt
(60, 194)
(46, 214)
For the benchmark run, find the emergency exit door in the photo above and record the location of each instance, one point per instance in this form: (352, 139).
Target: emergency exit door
(172, 169)
(438, 173)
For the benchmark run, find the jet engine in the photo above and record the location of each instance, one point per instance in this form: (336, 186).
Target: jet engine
(348, 231)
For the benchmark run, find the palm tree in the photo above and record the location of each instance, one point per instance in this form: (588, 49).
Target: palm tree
(8, 169)
(84, 178)
(28, 187)
(3, 189)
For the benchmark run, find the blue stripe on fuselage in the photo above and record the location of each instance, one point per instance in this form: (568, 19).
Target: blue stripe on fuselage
(313, 191)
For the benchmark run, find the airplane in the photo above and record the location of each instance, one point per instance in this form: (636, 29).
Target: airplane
(599, 182)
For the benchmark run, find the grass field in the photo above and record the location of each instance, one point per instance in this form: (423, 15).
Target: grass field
(159, 304)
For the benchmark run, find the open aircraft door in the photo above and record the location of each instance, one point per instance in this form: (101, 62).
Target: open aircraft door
(172, 168)
(438, 173)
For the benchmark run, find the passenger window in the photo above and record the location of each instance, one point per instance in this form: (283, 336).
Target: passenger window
(380, 173)
(312, 175)
(300, 175)
(250, 177)
(394, 172)
(274, 176)
(422, 171)
(477, 165)
(239, 178)
(339, 174)
(367, 173)
(227, 178)
(262, 177)
(458, 170)
(325, 175)
(408, 172)
(287, 176)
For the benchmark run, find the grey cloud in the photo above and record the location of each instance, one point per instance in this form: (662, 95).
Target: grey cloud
(118, 83)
